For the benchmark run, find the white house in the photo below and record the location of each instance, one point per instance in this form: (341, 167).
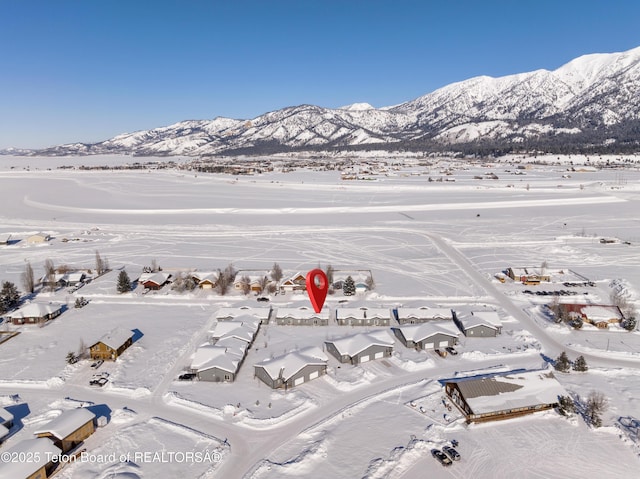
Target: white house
(292, 369)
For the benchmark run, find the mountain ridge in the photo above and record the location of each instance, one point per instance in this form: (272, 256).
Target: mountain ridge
(593, 100)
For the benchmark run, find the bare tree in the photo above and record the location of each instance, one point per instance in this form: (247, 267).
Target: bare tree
(543, 267)
(100, 269)
(329, 273)
(595, 406)
(28, 282)
(276, 272)
(264, 283)
(50, 274)
(154, 266)
(225, 279)
(246, 284)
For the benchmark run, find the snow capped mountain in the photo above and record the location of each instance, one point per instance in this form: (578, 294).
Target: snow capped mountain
(594, 95)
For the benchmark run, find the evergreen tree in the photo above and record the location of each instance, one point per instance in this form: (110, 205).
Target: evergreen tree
(9, 296)
(630, 324)
(349, 287)
(580, 364)
(562, 363)
(596, 404)
(124, 283)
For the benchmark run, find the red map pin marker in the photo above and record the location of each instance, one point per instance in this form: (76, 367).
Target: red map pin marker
(317, 292)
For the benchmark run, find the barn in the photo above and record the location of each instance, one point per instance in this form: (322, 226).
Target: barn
(504, 396)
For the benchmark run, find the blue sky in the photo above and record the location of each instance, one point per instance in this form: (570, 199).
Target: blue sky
(87, 70)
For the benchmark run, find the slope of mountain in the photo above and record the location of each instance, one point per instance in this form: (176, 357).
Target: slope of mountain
(592, 98)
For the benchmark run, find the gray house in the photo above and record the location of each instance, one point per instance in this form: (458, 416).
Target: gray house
(422, 314)
(361, 348)
(479, 324)
(363, 316)
(229, 314)
(219, 362)
(427, 336)
(292, 369)
(302, 316)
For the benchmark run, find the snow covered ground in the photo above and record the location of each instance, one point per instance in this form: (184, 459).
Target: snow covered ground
(438, 244)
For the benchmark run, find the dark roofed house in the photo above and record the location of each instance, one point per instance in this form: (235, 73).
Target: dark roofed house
(503, 396)
(112, 344)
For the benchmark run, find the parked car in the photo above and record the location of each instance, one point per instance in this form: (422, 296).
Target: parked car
(441, 353)
(263, 298)
(99, 379)
(441, 457)
(451, 452)
(450, 350)
(97, 363)
(187, 377)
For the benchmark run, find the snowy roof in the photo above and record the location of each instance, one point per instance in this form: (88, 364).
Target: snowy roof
(158, 278)
(301, 313)
(116, 338)
(291, 363)
(35, 310)
(602, 313)
(356, 276)
(236, 329)
(40, 450)
(357, 343)
(214, 356)
(425, 313)
(233, 344)
(418, 332)
(205, 275)
(67, 422)
(5, 416)
(4, 431)
(363, 313)
(260, 313)
(510, 391)
(490, 319)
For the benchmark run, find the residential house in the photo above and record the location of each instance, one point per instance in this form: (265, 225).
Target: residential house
(361, 348)
(422, 314)
(479, 324)
(205, 279)
(245, 330)
(219, 362)
(69, 429)
(302, 316)
(42, 454)
(427, 335)
(154, 281)
(63, 280)
(255, 281)
(598, 315)
(228, 314)
(35, 313)
(529, 275)
(6, 423)
(112, 345)
(38, 238)
(505, 395)
(297, 282)
(292, 369)
(363, 316)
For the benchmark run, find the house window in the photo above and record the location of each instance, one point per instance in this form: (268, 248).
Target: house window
(227, 377)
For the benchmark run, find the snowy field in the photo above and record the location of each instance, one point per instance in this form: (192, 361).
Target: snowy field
(427, 243)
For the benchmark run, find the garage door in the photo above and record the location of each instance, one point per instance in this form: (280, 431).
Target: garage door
(379, 355)
(298, 381)
(364, 359)
(443, 344)
(429, 346)
(314, 375)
